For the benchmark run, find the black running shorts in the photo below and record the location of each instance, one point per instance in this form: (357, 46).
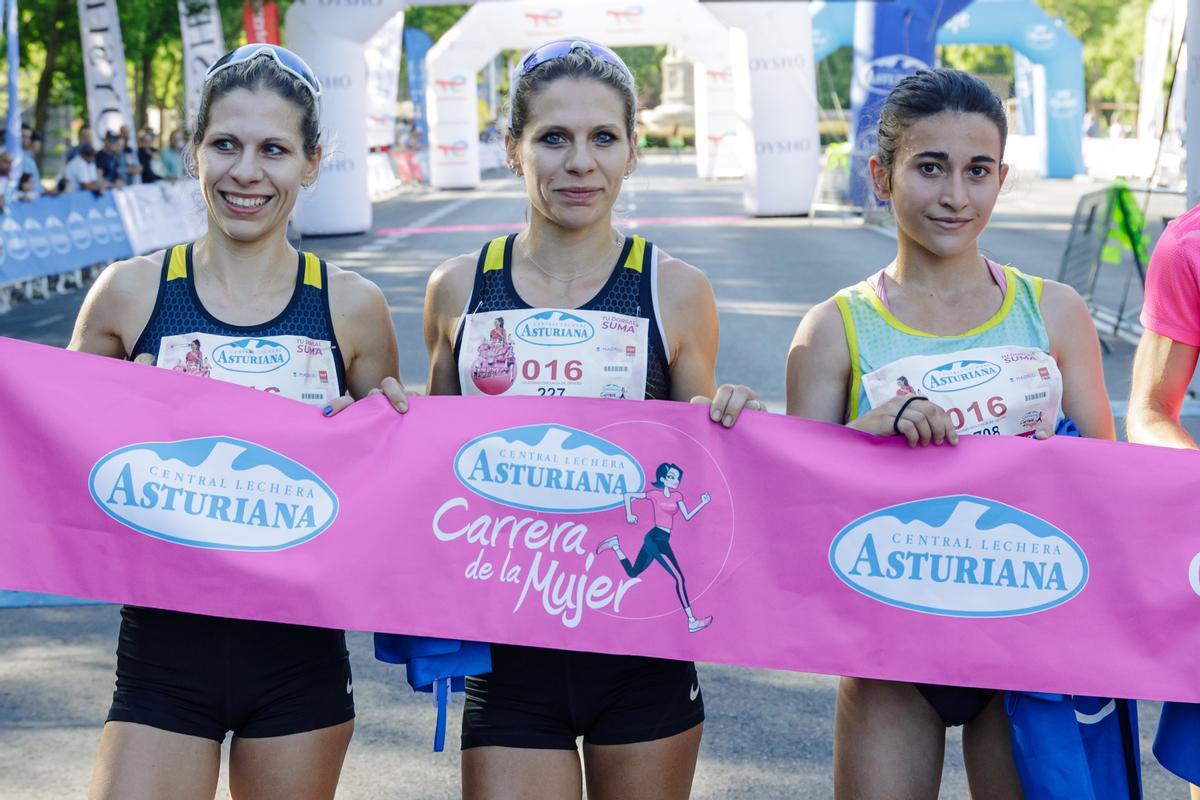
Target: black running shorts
(206, 676)
(544, 699)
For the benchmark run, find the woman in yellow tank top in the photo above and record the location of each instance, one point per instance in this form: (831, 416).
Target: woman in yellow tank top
(924, 318)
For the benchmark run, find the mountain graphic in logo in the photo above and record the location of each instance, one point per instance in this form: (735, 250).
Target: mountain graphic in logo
(550, 468)
(554, 328)
(959, 556)
(251, 355)
(216, 492)
(963, 374)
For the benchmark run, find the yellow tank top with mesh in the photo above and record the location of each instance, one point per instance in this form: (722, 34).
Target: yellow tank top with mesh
(876, 337)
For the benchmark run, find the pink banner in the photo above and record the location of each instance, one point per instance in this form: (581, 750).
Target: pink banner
(1061, 566)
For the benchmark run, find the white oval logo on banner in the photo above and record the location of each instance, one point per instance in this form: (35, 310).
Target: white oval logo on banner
(959, 556)
(251, 355)
(954, 375)
(215, 492)
(882, 74)
(98, 225)
(58, 235)
(1040, 37)
(549, 468)
(39, 243)
(18, 246)
(81, 234)
(1063, 104)
(554, 328)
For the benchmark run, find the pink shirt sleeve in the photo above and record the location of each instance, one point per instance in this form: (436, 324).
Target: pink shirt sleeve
(1172, 307)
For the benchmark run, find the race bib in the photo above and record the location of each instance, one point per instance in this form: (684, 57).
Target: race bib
(294, 366)
(544, 352)
(987, 390)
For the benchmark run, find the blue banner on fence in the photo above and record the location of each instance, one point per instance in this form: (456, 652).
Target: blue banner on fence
(52, 235)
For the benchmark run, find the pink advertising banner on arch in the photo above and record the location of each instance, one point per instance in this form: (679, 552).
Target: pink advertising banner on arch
(1061, 566)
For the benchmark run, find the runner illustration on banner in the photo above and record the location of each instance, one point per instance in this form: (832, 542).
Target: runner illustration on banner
(667, 502)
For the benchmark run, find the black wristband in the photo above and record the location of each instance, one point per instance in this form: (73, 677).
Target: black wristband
(900, 413)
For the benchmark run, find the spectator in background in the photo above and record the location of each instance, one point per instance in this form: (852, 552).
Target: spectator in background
(85, 137)
(172, 156)
(26, 159)
(147, 156)
(81, 172)
(8, 184)
(25, 188)
(1116, 128)
(110, 161)
(133, 170)
(1091, 128)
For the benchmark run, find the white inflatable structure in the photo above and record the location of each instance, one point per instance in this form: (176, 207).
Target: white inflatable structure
(755, 85)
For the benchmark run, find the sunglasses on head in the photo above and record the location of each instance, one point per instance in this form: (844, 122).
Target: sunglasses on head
(288, 61)
(559, 48)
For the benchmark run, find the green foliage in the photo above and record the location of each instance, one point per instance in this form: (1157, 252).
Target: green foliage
(646, 65)
(833, 78)
(434, 20)
(978, 59)
(1111, 32)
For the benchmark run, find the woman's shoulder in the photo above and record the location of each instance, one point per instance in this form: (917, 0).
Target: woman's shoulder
(132, 275)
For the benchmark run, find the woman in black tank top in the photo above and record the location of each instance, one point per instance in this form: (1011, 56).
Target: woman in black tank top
(185, 680)
(570, 138)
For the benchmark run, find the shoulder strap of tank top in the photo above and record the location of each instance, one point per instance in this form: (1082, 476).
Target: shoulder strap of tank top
(175, 261)
(493, 257)
(313, 274)
(638, 257)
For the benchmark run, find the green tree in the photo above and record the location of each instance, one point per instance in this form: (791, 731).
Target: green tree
(833, 78)
(646, 65)
(1111, 32)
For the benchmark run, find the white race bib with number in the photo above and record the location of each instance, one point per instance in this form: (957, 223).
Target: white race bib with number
(987, 390)
(545, 352)
(294, 366)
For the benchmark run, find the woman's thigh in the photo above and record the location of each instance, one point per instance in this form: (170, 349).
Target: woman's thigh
(139, 762)
(300, 766)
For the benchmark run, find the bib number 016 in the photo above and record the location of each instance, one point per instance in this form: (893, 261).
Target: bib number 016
(533, 370)
(995, 408)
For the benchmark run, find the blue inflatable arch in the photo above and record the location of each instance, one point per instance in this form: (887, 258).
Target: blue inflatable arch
(1024, 27)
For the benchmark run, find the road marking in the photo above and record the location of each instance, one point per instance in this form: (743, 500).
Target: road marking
(423, 227)
(426, 221)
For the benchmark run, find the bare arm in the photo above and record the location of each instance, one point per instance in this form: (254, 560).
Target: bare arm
(117, 307)
(1076, 348)
(687, 515)
(1162, 370)
(629, 498)
(365, 334)
(445, 296)
(693, 330)
(818, 381)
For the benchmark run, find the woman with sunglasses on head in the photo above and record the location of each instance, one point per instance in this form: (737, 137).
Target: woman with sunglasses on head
(185, 680)
(939, 311)
(570, 137)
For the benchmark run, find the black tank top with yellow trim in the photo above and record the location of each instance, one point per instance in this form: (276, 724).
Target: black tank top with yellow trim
(295, 354)
(631, 290)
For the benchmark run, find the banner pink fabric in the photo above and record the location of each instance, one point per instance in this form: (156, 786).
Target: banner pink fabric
(1060, 566)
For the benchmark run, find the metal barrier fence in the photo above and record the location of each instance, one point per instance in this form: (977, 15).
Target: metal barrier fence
(55, 239)
(1083, 269)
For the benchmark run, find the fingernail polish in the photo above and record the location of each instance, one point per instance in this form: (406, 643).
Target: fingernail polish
(327, 410)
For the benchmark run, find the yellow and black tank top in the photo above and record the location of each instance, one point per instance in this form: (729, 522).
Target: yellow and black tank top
(631, 290)
(295, 353)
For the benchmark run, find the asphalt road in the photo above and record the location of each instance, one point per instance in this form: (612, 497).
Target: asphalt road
(769, 734)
